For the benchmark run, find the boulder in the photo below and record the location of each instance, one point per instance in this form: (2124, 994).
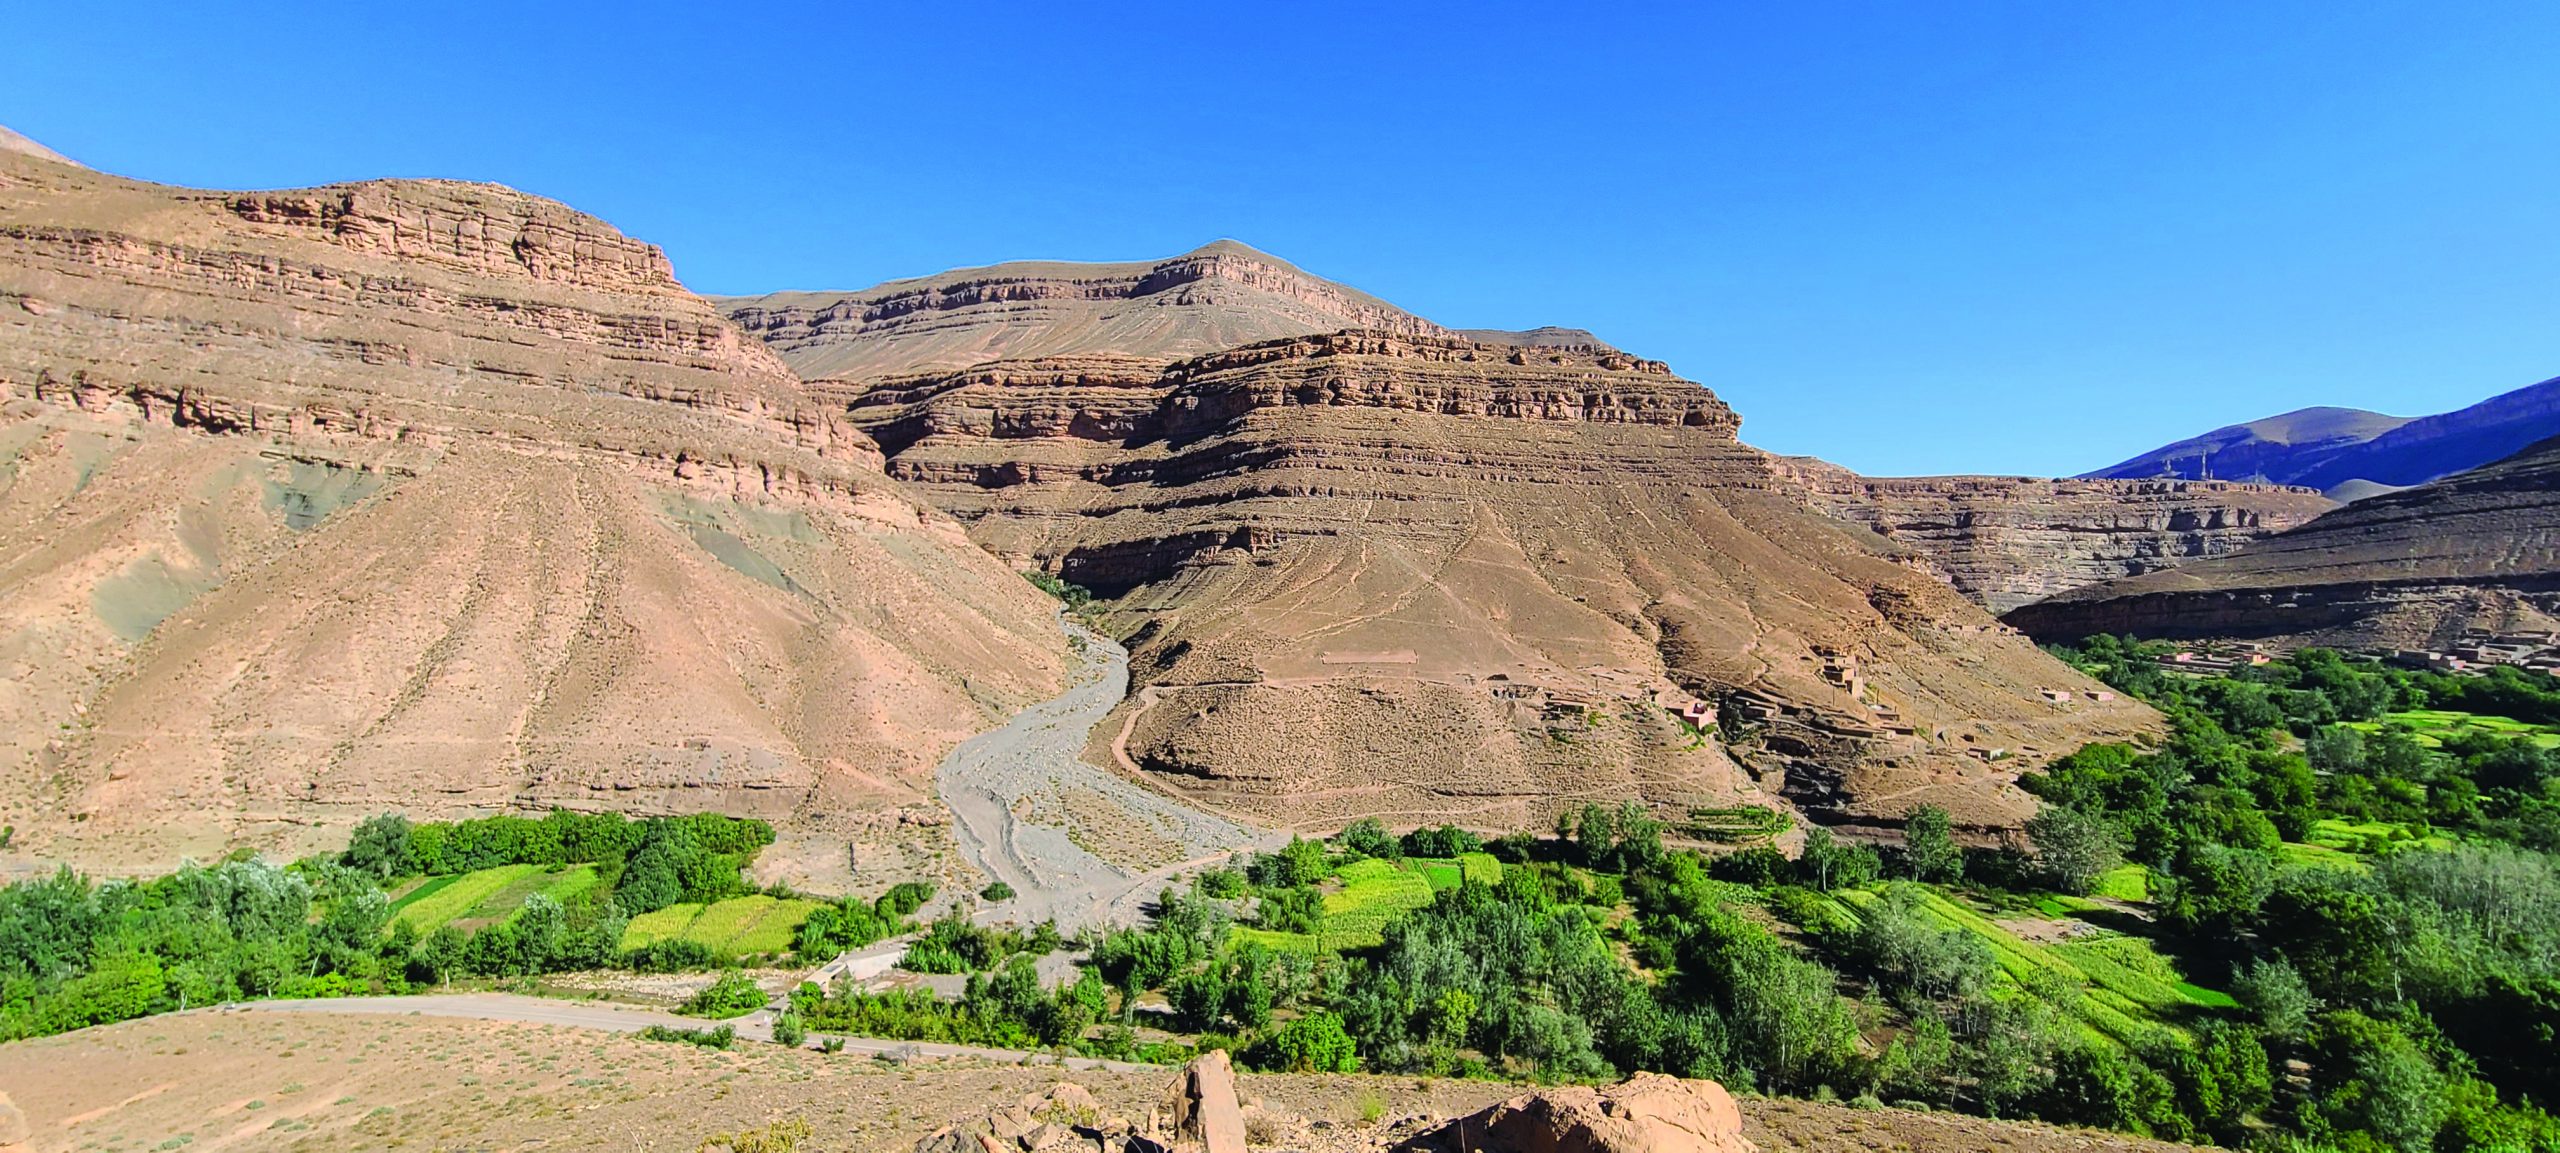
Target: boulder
(1204, 1105)
(1647, 1113)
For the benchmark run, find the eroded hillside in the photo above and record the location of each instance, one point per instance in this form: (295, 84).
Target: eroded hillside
(2008, 540)
(437, 496)
(2416, 568)
(1434, 578)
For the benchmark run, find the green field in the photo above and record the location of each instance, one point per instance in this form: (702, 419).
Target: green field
(2431, 726)
(474, 901)
(1449, 873)
(1370, 894)
(428, 907)
(2125, 883)
(736, 927)
(2119, 987)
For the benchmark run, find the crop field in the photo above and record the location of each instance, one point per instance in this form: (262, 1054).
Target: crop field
(735, 927)
(428, 907)
(2431, 726)
(1373, 893)
(1449, 873)
(476, 900)
(2118, 987)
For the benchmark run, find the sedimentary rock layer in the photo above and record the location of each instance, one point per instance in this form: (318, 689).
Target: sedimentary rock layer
(2006, 541)
(1433, 578)
(439, 497)
(1215, 297)
(2412, 568)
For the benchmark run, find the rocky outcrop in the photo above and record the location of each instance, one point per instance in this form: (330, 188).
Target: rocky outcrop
(1647, 1113)
(1218, 296)
(2415, 568)
(2006, 541)
(1205, 1111)
(440, 497)
(1430, 578)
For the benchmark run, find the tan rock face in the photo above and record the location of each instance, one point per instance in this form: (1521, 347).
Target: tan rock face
(2006, 541)
(1216, 297)
(440, 497)
(1438, 579)
(1647, 1113)
(2414, 568)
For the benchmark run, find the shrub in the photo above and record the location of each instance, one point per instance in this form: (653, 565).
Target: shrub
(789, 1032)
(720, 1037)
(734, 994)
(1314, 1043)
(996, 893)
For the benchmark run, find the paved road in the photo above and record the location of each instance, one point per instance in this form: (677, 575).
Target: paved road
(1014, 793)
(615, 1018)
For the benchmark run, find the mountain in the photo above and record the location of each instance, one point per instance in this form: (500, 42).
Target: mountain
(439, 496)
(1218, 296)
(2007, 540)
(2349, 453)
(2417, 567)
(11, 141)
(1433, 578)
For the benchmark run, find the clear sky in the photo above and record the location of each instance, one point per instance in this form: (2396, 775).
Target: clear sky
(2025, 237)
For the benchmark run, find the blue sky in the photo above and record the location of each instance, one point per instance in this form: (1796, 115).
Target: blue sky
(1943, 237)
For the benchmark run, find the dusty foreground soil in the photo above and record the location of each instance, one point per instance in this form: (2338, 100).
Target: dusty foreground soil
(205, 1081)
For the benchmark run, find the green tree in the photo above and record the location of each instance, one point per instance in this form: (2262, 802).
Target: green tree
(2072, 848)
(1929, 850)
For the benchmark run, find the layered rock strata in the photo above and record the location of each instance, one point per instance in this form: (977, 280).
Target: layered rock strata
(438, 497)
(1219, 296)
(2006, 541)
(1430, 578)
(2416, 568)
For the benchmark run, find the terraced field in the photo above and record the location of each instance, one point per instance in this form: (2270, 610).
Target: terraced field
(1372, 893)
(473, 901)
(739, 926)
(2118, 987)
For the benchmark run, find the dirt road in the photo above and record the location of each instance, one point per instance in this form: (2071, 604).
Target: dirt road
(1077, 842)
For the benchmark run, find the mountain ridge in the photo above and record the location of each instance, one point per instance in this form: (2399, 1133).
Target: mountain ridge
(2348, 453)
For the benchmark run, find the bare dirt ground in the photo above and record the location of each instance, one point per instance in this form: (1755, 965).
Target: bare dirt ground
(320, 1081)
(1077, 842)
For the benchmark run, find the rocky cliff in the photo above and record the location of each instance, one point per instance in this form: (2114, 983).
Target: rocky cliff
(438, 496)
(1433, 578)
(2005, 541)
(1218, 296)
(2414, 568)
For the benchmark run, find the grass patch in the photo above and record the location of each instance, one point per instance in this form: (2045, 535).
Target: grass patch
(1372, 893)
(1480, 868)
(2322, 856)
(1440, 874)
(2130, 883)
